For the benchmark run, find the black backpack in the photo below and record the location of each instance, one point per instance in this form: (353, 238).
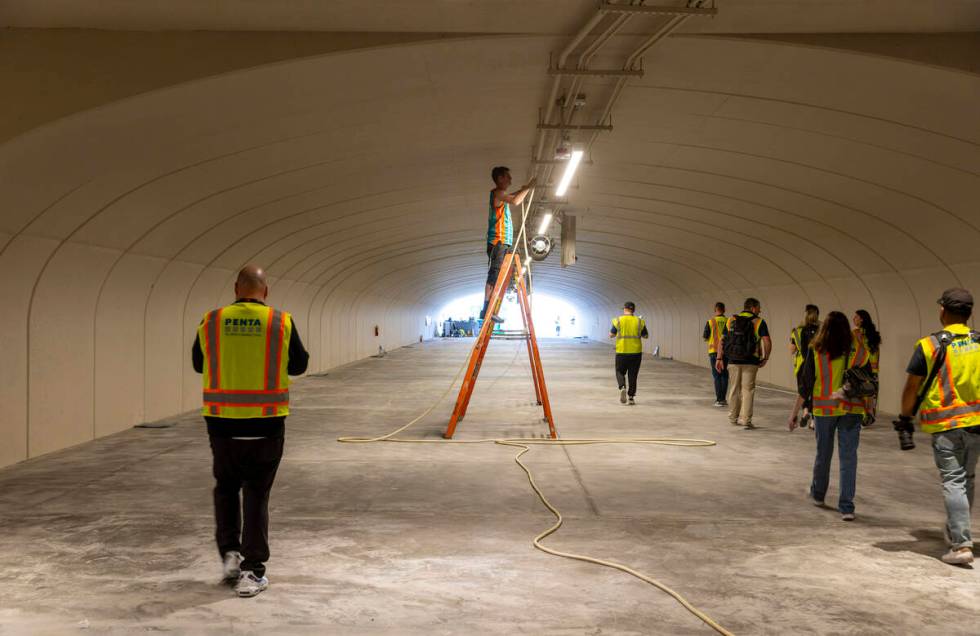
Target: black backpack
(740, 342)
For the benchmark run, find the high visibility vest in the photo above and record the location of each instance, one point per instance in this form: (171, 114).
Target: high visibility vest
(628, 330)
(829, 378)
(796, 337)
(953, 400)
(716, 327)
(873, 356)
(246, 352)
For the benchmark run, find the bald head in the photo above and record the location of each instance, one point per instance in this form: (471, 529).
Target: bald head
(251, 283)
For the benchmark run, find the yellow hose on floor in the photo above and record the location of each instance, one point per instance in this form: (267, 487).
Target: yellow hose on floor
(525, 446)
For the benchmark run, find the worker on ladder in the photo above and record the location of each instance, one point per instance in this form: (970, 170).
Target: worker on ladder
(500, 233)
(628, 329)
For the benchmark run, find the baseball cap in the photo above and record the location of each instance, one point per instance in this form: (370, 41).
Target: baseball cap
(957, 299)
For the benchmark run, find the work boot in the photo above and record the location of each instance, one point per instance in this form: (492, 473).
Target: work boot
(231, 566)
(622, 395)
(958, 556)
(250, 585)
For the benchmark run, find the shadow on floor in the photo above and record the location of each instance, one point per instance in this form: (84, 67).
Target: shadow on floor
(182, 595)
(929, 543)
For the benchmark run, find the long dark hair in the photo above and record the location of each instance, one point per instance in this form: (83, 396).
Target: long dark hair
(834, 336)
(870, 331)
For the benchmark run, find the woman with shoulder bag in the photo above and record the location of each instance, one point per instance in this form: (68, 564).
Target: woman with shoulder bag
(834, 378)
(865, 329)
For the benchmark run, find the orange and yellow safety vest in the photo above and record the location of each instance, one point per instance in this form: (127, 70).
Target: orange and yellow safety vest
(953, 400)
(246, 352)
(829, 378)
(716, 327)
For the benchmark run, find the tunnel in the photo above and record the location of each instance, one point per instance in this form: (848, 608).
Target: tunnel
(792, 152)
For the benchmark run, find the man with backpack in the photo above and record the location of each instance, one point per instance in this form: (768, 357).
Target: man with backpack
(745, 348)
(943, 385)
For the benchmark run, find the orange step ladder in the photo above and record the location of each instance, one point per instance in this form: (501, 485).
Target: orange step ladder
(511, 268)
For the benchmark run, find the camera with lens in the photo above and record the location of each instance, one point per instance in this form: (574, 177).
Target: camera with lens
(904, 426)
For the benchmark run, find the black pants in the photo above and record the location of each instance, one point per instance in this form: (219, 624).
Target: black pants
(628, 365)
(250, 466)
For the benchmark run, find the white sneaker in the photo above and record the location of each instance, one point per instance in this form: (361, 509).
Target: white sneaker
(622, 396)
(250, 585)
(815, 502)
(632, 402)
(847, 516)
(961, 556)
(231, 568)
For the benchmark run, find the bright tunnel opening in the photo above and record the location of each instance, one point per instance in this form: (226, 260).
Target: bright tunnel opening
(553, 316)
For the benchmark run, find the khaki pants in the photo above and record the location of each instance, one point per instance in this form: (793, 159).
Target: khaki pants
(741, 392)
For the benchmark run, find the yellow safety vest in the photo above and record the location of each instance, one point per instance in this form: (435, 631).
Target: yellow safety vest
(873, 355)
(246, 352)
(716, 327)
(796, 336)
(953, 400)
(829, 378)
(628, 330)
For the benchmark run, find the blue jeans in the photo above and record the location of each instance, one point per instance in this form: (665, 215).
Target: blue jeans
(848, 429)
(721, 379)
(956, 453)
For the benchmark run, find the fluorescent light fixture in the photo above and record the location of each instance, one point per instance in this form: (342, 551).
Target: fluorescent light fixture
(545, 222)
(570, 168)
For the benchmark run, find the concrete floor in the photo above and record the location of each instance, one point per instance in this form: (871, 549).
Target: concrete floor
(115, 536)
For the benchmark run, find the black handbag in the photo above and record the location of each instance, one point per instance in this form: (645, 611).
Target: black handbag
(859, 382)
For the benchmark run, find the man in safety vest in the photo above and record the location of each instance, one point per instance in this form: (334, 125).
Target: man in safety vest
(714, 331)
(246, 353)
(943, 385)
(627, 330)
(745, 348)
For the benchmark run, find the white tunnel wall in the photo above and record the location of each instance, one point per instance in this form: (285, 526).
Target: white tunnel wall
(736, 168)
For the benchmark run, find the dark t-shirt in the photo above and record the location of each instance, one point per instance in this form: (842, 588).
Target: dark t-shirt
(917, 365)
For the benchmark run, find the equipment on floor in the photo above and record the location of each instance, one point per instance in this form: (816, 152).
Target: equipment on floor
(510, 270)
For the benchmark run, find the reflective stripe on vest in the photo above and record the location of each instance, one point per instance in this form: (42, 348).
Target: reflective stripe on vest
(830, 377)
(628, 334)
(714, 340)
(953, 400)
(252, 340)
(251, 398)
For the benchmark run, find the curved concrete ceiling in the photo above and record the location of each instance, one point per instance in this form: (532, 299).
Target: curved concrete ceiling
(735, 168)
(550, 17)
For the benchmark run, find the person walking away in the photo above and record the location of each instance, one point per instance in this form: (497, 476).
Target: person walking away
(943, 385)
(833, 351)
(799, 344)
(865, 329)
(745, 348)
(714, 329)
(628, 330)
(500, 230)
(246, 352)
